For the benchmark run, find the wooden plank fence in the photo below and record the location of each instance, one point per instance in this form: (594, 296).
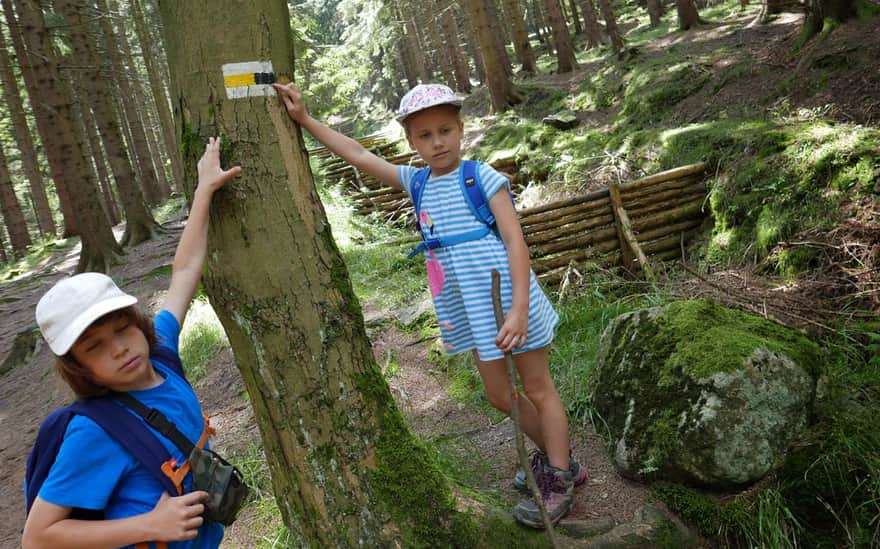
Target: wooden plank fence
(631, 224)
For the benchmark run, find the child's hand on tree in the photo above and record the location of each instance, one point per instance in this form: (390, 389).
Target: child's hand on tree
(177, 518)
(293, 101)
(211, 175)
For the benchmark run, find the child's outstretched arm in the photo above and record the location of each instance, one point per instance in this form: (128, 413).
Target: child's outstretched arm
(341, 145)
(189, 258)
(516, 322)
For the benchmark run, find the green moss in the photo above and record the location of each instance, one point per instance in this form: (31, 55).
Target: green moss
(661, 436)
(731, 336)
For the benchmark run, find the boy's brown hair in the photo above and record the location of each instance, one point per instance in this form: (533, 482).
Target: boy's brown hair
(78, 376)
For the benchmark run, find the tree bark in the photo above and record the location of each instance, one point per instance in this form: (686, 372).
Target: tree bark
(497, 33)
(412, 37)
(591, 23)
(655, 12)
(453, 46)
(565, 61)
(818, 11)
(140, 149)
(345, 469)
(572, 6)
(688, 17)
(521, 44)
(140, 224)
(99, 247)
(141, 104)
(41, 117)
(13, 217)
(474, 49)
(440, 52)
(501, 90)
(25, 142)
(95, 154)
(160, 94)
(611, 25)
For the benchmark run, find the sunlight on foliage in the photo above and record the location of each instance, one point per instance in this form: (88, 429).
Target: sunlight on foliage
(201, 338)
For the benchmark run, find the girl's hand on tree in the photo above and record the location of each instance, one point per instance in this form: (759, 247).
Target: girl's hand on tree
(211, 175)
(512, 334)
(177, 518)
(293, 101)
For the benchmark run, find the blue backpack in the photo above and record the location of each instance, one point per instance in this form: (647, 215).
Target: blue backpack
(475, 198)
(124, 427)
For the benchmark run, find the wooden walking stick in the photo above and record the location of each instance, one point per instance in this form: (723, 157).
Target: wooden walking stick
(514, 413)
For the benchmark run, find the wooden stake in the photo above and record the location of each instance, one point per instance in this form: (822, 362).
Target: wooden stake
(514, 412)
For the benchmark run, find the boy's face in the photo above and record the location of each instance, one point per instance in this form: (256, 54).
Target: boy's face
(116, 352)
(436, 134)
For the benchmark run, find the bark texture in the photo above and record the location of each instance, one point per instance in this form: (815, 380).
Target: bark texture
(565, 61)
(501, 90)
(522, 47)
(345, 469)
(12, 214)
(25, 142)
(99, 247)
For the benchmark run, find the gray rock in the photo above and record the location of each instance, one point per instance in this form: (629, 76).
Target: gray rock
(699, 394)
(563, 120)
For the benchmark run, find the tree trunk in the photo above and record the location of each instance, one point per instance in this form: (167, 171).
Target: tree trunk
(412, 37)
(345, 469)
(25, 142)
(13, 217)
(818, 11)
(440, 53)
(407, 59)
(540, 20)
(572, 6)
(655, 12)
(453, 46)
(591, 23)
(501, 90)
(160, 94)
(42, 118)
(474, 49)
(99, 248)
(140, 149)
(565, 61)
(139, 222)
(687, 14)
(497, 32)
(141, 104)
(611, 25)
(93, 150)
(524, 54)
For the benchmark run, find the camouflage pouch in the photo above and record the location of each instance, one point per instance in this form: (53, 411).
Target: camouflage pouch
(223, 482)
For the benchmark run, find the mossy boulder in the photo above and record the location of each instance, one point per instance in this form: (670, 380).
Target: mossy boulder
(697, 393)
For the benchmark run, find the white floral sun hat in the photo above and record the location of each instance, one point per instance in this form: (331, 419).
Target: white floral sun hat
(425, 96)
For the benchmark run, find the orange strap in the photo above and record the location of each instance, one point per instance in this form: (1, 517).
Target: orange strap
(177, 474)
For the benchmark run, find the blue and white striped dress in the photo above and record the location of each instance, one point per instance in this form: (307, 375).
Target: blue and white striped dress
(464, 305)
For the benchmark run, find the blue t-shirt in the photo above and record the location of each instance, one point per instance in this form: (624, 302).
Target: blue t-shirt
(93, 471)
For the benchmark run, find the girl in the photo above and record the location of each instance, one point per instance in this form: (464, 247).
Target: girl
(460, 278)
(103, 343)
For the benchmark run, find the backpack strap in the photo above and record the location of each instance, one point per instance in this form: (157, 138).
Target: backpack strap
(474, 193)
(416, 189)
(123, 427)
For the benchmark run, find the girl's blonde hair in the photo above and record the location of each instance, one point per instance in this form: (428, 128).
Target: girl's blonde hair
(78, 377)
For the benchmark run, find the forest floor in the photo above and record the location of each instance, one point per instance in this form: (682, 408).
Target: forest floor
(29, 390)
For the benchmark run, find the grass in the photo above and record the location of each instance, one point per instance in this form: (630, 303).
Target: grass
(37, 252)
(201, 338)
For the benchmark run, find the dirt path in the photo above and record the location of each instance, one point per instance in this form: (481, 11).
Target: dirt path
(29, 391)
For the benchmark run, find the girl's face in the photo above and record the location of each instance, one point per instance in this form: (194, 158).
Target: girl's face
(117, 354)
(436, 134)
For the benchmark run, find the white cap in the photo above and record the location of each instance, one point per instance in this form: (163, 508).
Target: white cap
(425, 96)
(73, 304)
